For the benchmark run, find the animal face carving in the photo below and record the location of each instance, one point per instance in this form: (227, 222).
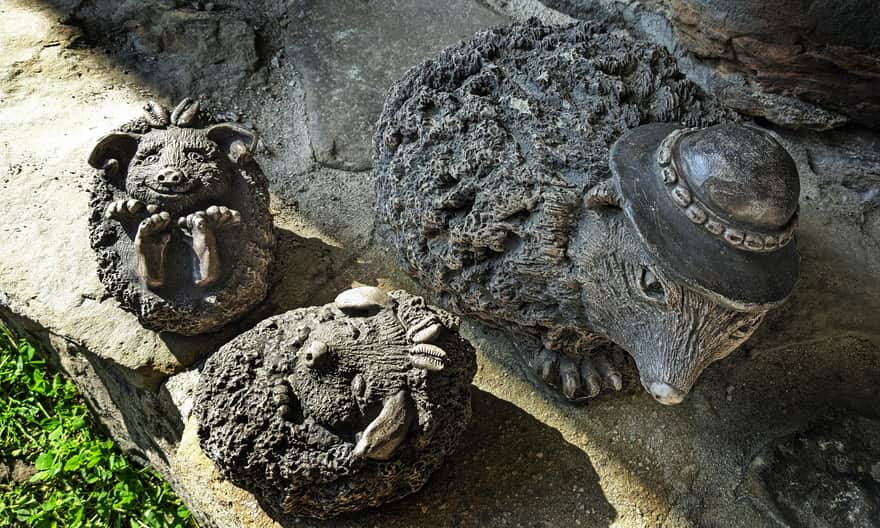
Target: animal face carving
(188, 198)
(178, 168)
(679, 332)
(571, 184)
(335, 404)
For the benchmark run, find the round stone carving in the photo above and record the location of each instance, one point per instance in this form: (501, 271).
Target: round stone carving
(180, 219)
(326, 410)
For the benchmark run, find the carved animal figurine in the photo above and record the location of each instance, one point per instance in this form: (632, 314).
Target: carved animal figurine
(495, 185)
(181, 219)
(326, 410)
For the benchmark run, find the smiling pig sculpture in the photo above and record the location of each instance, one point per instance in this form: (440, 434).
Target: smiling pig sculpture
(180, 219)
(331, 409)
(496, 187)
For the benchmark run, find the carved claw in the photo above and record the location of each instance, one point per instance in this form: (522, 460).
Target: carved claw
(124, 210)
(151, 243)
(384, 435)
(578, 378)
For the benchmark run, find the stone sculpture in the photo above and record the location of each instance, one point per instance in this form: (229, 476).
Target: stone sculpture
(331, 409)
(495, 184)
(180, 219)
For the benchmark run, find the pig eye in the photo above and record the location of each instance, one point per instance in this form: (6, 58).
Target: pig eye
(195, 156)
(651, 286)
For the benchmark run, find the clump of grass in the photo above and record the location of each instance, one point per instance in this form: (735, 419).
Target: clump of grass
(78, 478)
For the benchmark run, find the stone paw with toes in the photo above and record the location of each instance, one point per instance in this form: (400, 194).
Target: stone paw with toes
(126, 209)
(202, 227)
(150, 245)
(577, 377)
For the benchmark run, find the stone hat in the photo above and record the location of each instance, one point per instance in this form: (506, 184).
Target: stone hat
(716, 206)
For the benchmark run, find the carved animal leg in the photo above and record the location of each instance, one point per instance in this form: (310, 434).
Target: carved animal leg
(202, 226)
(124, 210)
(150, 245)
(578, 377)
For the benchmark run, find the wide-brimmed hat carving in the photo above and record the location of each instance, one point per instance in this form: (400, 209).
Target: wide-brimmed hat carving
(717, 206)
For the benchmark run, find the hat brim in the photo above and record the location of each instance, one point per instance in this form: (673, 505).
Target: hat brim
(744, 280)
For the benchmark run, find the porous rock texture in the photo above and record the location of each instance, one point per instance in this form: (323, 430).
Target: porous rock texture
(484, 158)
(239, 238)
(73, 70)
(826, 474)
(331, 409)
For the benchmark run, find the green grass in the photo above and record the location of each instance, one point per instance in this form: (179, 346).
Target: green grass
(82, 479)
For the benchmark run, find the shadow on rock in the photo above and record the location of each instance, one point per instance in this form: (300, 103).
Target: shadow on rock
(823, 475)
(504, 472)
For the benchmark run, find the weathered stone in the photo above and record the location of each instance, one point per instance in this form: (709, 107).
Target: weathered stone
(493, 167)
(326, 410)
(180, 220)
(348, 63)
(827, 474)
(825, 52)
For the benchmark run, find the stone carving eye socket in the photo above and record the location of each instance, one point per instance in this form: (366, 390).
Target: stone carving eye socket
(742, 331)
(151, 159)
(651, 286)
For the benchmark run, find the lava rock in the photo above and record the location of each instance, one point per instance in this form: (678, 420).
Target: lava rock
(827, 474)
(326, 410)
(180, 220)
(491, 160)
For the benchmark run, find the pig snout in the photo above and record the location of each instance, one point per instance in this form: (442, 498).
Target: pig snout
(171, 180)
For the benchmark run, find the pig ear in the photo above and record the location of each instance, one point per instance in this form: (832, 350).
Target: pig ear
(113, 152)
(239, 143)
(606, 194)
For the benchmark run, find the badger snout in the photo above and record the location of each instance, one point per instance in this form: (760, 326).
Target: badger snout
(171, 180)
(664, 392)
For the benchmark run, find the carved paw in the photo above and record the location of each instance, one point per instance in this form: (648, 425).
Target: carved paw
(155, 227)
(213, 217)
(220, 215)
(125, 210)
(150, 245)
(578, 378)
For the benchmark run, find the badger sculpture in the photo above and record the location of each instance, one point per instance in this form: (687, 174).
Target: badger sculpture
(331, 409)
(570, 183)
(180, 219)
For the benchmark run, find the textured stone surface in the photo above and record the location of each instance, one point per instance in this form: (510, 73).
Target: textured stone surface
(825, 52)
(349, 62)
(827, 474)
(485, 157)
(736, 87)
(180, 220)
(530, 461)
(327, 410)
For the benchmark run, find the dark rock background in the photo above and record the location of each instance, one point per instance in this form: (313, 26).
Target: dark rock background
(72, 70)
